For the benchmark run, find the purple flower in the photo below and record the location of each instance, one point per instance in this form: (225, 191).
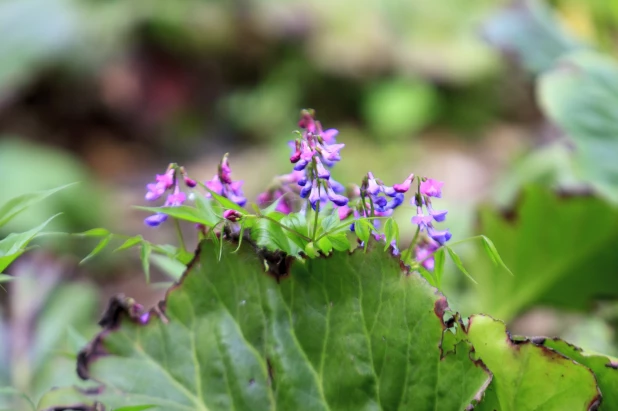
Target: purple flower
(155, 220)
(337, 199)
(372, 185)
(163, 182)
(314, 197)
(424, 254)
(440, 236)
(321, 171)
(432, 188)
(223, 185)
(438, 215)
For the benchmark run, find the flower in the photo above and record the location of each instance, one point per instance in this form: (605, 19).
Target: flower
(424, 254)
(232, 215)
(163, 183)
(223, 185)
(432, 188)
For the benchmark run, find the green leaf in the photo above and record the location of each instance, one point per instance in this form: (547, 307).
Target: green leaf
(325, 245)
(533, 33)
(363, 228)
(560, 249)
(347, 332)
(438, 269)
(391, 232)
(17, 393)
(206, 210)
(458, 263)
(339, 241)
(310, 250)
(170, 266)
(273, 237)
(16, 205)
(145, 252)
(492, 252)
(15, 244)
(95, 232)
(185, 213)
(528, 377)
(226, 203)
(100, 247)
(130, 242)
(329, 222)
(135, 408)
(6, 278)
(605, 369)
(580, 96)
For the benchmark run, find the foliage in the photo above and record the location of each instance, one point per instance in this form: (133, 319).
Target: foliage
(339, 332)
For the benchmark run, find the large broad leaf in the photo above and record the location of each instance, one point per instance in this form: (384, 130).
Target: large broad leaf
(530, 31)
(348, 332)
(605, 368)
(529, 377)
(558, 248)
(581, 95)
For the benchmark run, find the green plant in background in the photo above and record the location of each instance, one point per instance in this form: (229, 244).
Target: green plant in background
(44, 316)
(308, 303)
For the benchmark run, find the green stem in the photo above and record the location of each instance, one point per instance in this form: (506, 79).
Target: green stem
(410, 247)
(315, 220)
(181, 239)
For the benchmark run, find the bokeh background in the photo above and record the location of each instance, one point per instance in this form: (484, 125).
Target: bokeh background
(107, 93)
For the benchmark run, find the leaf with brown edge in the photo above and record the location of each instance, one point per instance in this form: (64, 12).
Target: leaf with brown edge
(348, 331)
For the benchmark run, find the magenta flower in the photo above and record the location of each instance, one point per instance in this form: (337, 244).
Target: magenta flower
(163, 182)
(424, 254)
(232, 215)
(405, 186)
(223, 185)
(432, 188)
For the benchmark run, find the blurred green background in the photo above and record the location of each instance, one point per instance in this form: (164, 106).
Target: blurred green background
(513, 104)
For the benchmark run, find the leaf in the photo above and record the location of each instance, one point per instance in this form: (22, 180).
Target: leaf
(15, 392)
(100, 247)
(170, 266)
(207, 212)
(145, 252)
(329, 222)
(580, 96)
(557, 246)
(391, 232)
(271, 236)
(135, 408)
(339, 241)
(226, 203)
(531, 32)
(325, 245)
(438, 270)
(14, 244)
(363, 228)
(16, 205)
(605, 368)
(94, 232)
(528, 377)
(492, 252)
(185, 213)
(130, 242)
(347, 332)
(458, 263)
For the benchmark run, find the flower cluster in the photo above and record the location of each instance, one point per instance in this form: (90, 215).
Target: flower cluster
(424, 250)
(315, 150)
(163, 183)
(223, 185)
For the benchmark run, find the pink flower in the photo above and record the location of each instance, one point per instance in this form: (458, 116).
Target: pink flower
(405, 186)
(432, 188)
(232, 215)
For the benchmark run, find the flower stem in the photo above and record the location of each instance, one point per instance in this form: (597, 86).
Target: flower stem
(411, 246)
(181, 239)
(315, 220)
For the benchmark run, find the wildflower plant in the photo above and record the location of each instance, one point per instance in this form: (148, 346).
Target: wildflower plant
(306, 213)
(351, 320)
